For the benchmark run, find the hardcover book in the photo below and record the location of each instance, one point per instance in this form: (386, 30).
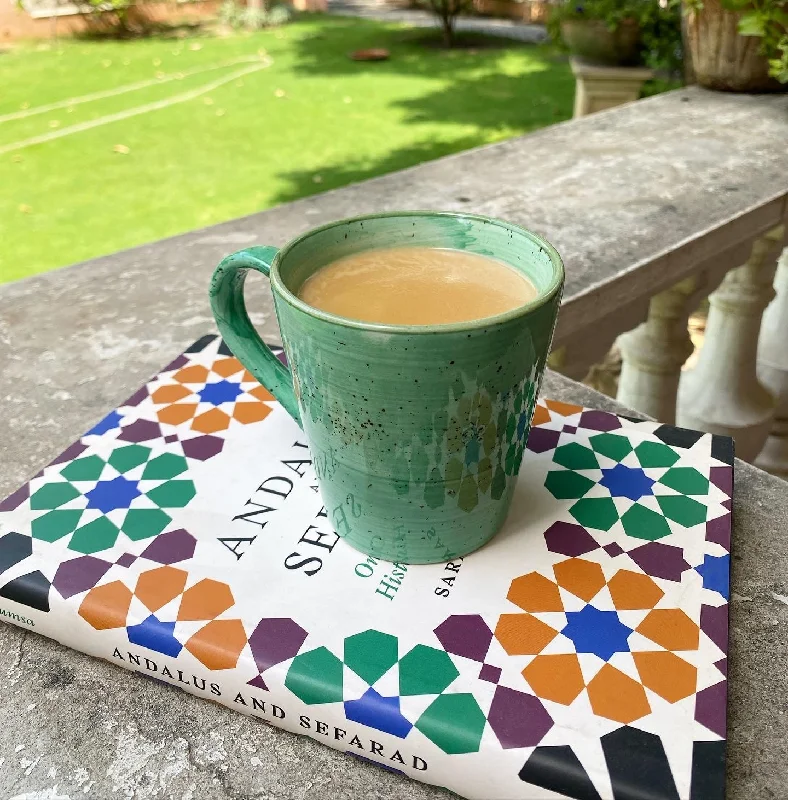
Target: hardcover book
(580, 654)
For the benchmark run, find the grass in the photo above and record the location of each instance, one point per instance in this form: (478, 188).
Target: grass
(310, 120)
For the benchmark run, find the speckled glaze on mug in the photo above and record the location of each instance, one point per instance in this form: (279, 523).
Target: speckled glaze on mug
(416, 432)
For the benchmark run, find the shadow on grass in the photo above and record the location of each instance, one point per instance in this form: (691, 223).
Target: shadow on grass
(301, 183)
(475, 93)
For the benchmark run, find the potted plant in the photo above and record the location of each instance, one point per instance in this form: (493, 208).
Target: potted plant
(601, 31)
(738, 45)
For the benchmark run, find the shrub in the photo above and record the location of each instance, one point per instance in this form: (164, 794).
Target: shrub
(660, 26)
(237, 15)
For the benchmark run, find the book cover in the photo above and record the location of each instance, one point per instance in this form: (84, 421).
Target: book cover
(580, 654)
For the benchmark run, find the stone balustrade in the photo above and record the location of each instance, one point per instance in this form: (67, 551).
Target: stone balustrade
(739, 382)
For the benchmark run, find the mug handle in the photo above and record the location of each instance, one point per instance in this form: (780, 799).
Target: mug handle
(229, 309)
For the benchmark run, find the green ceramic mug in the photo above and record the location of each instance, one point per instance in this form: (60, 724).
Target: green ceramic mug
(416, 432)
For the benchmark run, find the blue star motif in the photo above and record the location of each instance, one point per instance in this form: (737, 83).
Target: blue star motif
(221, 392)
(108, 495)
(155, 635)
(714, 571)
(111, 421)
(379, 712)
(598, 632)
(629, 482)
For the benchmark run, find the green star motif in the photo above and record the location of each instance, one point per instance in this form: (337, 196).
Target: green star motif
(68, 498)
(454, 722)
(675, 488)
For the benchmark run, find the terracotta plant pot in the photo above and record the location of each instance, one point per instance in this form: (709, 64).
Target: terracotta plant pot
(370, 54)
(721, 57)
(592, 40)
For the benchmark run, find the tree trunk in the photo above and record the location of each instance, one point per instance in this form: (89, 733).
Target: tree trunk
(447, 23)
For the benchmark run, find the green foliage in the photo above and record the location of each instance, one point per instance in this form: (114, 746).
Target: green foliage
(767, 19)
(779, 65)
(237, 15)
(660, 26)
(660, 33)
(611, 12)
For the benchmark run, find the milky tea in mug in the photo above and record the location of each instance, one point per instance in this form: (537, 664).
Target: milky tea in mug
(416, 342)
(417, 286)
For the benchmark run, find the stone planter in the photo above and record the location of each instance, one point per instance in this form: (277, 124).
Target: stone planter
(531, 11)
(722, 58)
(593, 41)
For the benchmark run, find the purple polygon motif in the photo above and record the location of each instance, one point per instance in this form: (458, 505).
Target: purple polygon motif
(710, 705)
(79, 574)
(273, 641)
(465, 635)
(540, 440)
(179, 362)
(660, 560)
(258, 682)
(719, 531)
(714, 623)
(569, 539)
(518, 719)
(490, 673)
(599, 421)
(171, 547)
(202, 448)
(141, 430)
(137, 397)
(722, 478)
(16, 499)
(70, 453)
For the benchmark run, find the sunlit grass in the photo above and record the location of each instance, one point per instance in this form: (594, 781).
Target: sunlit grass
(311, 120)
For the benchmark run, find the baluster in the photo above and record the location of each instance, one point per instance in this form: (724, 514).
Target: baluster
(773, 372)
(722, 394)
(654, 352)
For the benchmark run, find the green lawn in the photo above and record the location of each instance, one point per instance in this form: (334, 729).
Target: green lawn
(308, 121)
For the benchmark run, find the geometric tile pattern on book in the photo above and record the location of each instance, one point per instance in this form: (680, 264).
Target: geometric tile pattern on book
(558, 676)
(593, 662)
(166, 599)
(93, 499)
(640, 486)
(383, 677)
(77, 575)
(208, 399)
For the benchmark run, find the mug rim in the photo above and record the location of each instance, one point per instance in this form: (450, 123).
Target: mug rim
(448, 327)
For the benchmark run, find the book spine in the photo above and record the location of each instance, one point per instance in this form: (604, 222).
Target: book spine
(325, 723)
(27, 619)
